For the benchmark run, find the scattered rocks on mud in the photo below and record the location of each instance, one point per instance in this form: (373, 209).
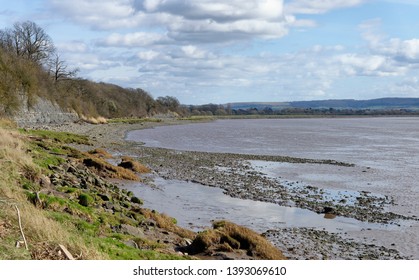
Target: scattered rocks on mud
(235, 175)
(312, 244)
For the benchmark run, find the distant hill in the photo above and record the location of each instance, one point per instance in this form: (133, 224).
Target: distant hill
(380, 103)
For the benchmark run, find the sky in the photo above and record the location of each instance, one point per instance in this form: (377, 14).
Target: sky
(218, 51)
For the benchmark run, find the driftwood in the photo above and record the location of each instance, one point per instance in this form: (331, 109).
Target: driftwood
(20, 227)
(20, 222)
(66, 252)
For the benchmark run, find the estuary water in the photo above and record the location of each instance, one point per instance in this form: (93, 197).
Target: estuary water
(385, 152)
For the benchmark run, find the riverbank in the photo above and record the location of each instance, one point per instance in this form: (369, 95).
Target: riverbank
(234, 174)
(71, 207)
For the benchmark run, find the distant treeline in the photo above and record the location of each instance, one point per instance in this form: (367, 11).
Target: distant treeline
(224, 110)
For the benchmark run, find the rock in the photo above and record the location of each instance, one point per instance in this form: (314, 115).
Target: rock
(135, 199)
(328, 210)
(108, 205)
(131, 243)
(45, 181)
(104, 197)
(131, 230)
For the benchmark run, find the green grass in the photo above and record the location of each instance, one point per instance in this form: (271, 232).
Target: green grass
(49, 147)
(117, 250)
(198, 118)
(60, 137)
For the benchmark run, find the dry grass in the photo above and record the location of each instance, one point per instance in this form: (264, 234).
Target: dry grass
(37, 227)
(131, 164)
(104, 168)
(227, 236)
(94, 120)
(7, 123)
(165, 222)
(102, 153)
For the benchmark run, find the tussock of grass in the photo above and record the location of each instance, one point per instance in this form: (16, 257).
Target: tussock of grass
(166, 222)
(228, 236)
(101, 153)
(94, 120)
(106, 169)
(131, 164)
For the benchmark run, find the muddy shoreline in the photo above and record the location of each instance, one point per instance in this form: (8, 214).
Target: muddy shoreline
(235, 174)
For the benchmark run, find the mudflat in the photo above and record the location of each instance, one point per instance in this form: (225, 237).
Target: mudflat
(245, 176)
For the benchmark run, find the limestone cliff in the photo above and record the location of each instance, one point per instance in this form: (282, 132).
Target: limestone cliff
(42, 112)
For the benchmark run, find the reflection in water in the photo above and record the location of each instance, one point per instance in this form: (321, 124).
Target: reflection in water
(195, 206)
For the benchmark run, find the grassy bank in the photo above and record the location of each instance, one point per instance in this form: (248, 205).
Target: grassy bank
(57, 203)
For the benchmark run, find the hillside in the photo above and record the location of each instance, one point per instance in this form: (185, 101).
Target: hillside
(31, 70)
(381, 103)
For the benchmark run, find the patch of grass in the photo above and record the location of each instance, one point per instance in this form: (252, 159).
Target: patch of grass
(197, 118)
(229, 236)
(131, 164)
(106, 169)
(133, 120)
(86, 200)
(168, 223)
(7, 123)
(43, 154)
(60, 137)
(117, 250)
(102, 153)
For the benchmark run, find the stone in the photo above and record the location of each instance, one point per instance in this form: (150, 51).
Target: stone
(131, 230)
(135, 199)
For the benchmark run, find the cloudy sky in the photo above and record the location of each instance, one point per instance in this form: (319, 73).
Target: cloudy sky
(219, 51)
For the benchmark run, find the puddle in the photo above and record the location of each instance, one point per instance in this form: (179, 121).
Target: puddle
(195, 206)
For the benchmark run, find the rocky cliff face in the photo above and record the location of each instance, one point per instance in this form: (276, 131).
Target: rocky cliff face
(44, 112)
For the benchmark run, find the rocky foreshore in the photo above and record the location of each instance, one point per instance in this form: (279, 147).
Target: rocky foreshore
(235, 174)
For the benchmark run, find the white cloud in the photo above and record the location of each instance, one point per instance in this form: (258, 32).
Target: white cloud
(72, 46)
(319, 7)
(148, 55)
(182, 48)
(137, 39)
(101, 14)
(194, 52)
(369, 65)
(185, 21)
(218, 10)
(404, 51)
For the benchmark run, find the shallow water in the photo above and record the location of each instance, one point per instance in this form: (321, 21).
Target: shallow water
(385, 152)
(195, 206)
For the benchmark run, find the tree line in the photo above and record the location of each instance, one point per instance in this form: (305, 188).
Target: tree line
(227, 110)
(31, 65)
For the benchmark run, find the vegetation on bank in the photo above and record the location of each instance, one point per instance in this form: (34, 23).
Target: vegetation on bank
(31, 68)
(58, 214)
(66, 204)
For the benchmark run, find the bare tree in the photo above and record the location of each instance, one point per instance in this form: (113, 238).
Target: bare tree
(28, 40)
(59, 69)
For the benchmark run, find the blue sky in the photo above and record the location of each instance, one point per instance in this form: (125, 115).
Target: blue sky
(215, 51)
